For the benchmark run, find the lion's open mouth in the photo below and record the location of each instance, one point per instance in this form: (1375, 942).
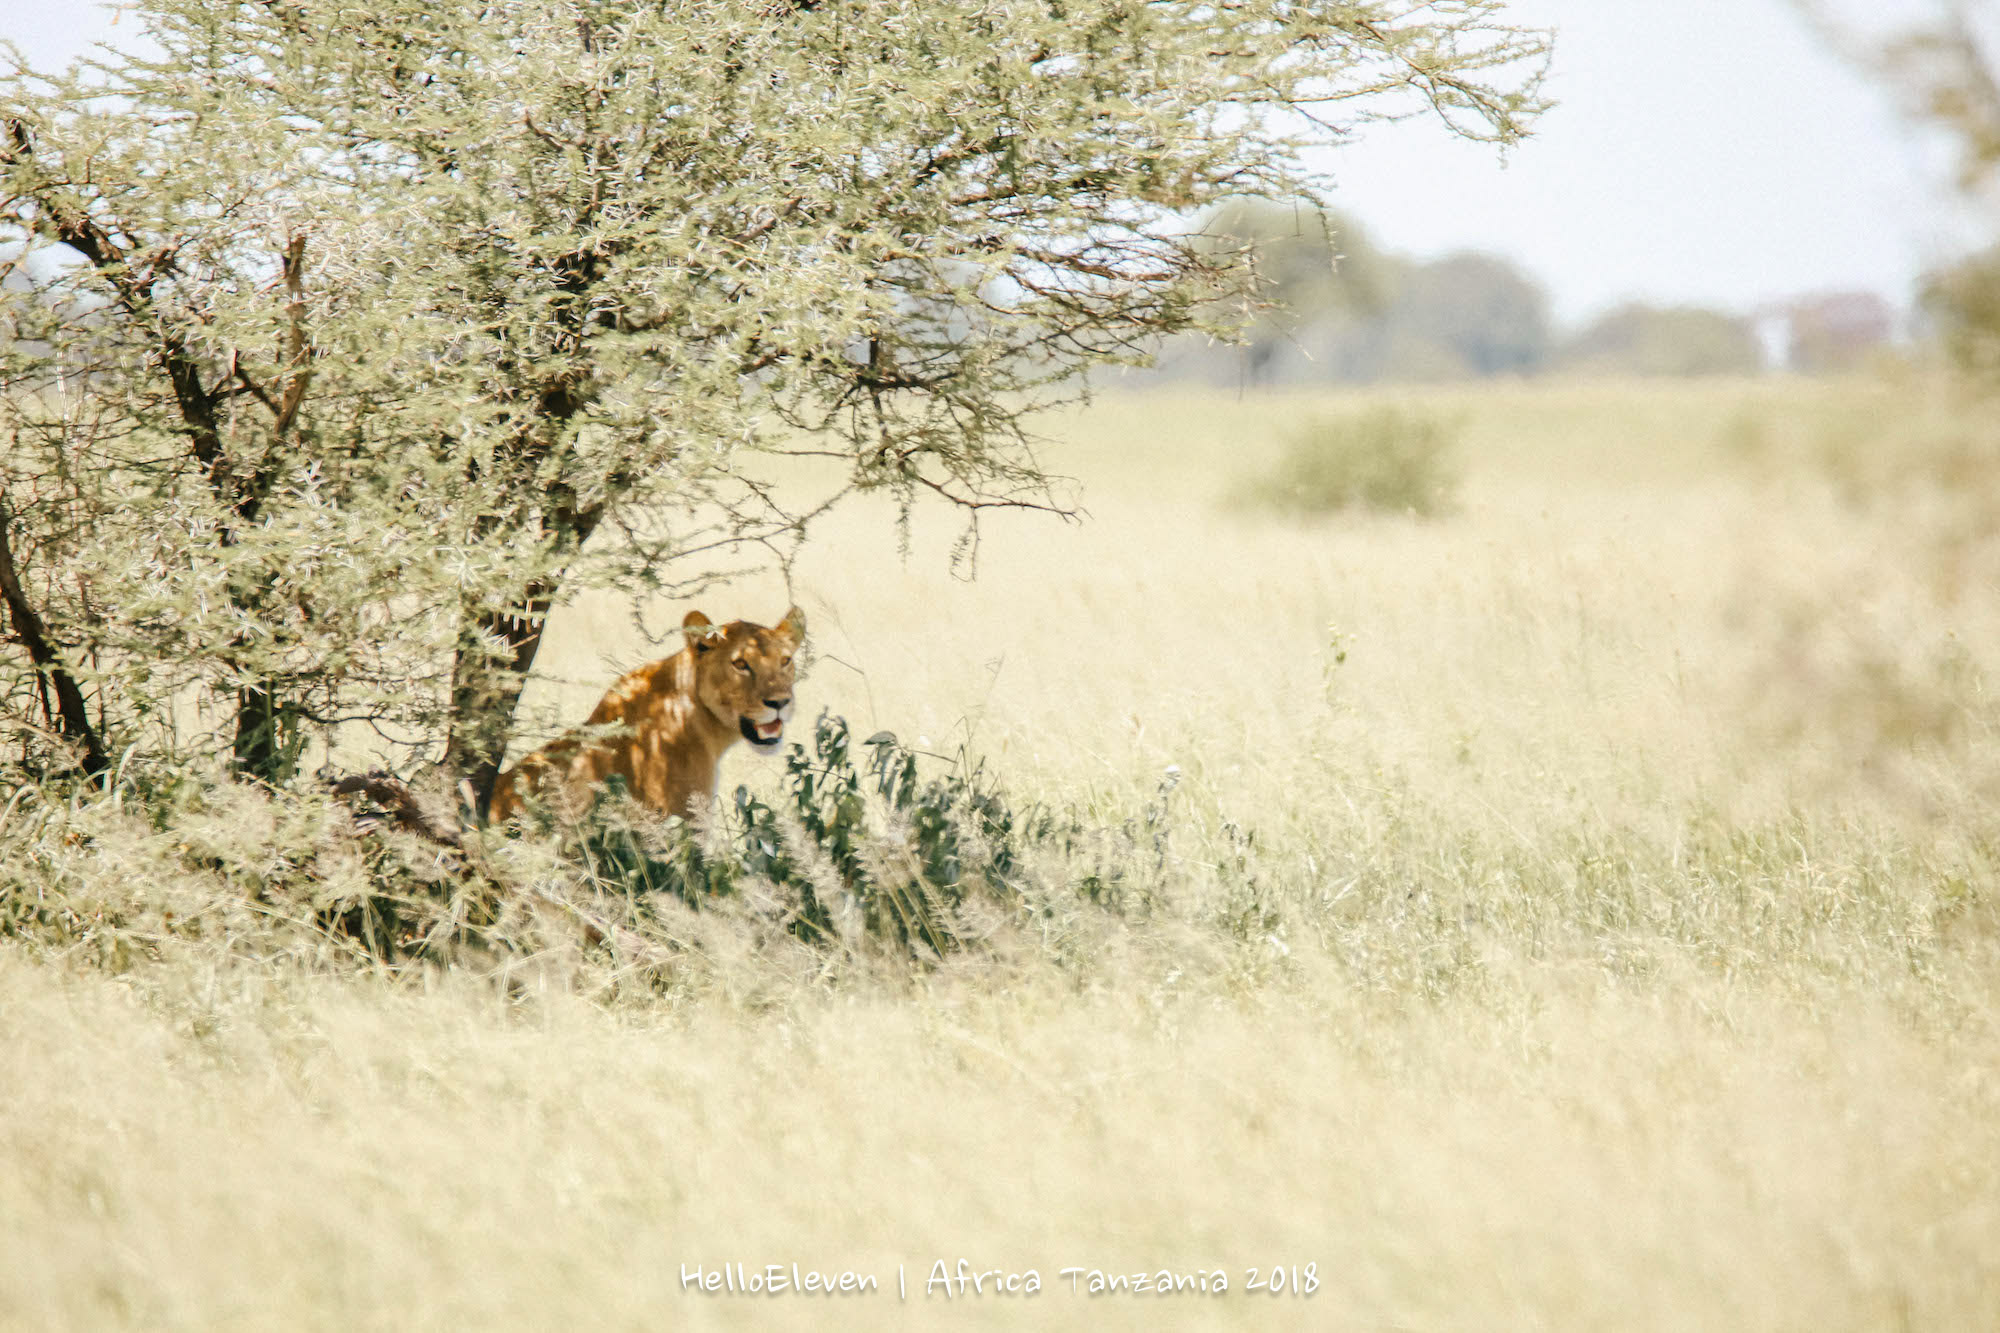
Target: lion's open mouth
(764, 735)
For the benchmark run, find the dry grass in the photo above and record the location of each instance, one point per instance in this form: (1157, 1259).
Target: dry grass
(1700, 1155)
(1578, 912)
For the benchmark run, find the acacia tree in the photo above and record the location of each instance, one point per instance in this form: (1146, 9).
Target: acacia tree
(348, 338)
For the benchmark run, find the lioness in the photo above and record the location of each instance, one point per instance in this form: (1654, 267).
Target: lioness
(679, 714)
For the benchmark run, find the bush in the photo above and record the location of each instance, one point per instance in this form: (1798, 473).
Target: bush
(1962, 303)
(1384, 460)
(876, 853)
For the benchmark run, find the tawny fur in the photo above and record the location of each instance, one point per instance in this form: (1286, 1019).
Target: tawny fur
(675, 716)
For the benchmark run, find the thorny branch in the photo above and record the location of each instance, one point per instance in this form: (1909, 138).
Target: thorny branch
(73, 716)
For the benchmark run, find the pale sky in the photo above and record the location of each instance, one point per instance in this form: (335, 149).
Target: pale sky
(1705, 151)
(1709, 151)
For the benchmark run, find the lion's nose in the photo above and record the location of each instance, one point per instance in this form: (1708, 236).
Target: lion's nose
(777, 705)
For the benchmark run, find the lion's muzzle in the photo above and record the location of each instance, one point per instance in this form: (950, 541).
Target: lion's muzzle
(767, 733)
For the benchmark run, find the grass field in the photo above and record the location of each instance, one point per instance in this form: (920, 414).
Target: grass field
(1578, 911)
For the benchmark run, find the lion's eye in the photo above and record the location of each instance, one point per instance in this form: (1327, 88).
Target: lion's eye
(743, 666)
(786, 662)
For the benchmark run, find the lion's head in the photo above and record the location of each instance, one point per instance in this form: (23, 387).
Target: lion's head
(743, 673)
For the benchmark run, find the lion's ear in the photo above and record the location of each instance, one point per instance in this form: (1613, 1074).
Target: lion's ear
(698, 628)
(793, 626)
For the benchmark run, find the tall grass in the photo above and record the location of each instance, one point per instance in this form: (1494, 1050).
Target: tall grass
(1578, 911)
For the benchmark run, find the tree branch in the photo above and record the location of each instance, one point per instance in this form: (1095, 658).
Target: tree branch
(72, 715)
(64, 219)
(398, 802)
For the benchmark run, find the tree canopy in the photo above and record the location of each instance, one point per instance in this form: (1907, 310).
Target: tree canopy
(345, 338)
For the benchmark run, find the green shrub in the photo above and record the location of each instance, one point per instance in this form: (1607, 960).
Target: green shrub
(898, 876)
(1384, 460)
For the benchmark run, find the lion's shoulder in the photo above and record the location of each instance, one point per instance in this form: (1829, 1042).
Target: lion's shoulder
(641, 688)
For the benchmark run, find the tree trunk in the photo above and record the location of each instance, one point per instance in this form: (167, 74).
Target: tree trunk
(263, 748)
(497, 649)
(494, 657)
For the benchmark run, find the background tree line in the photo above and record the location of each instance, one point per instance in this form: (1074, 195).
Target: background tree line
(1339, 307)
